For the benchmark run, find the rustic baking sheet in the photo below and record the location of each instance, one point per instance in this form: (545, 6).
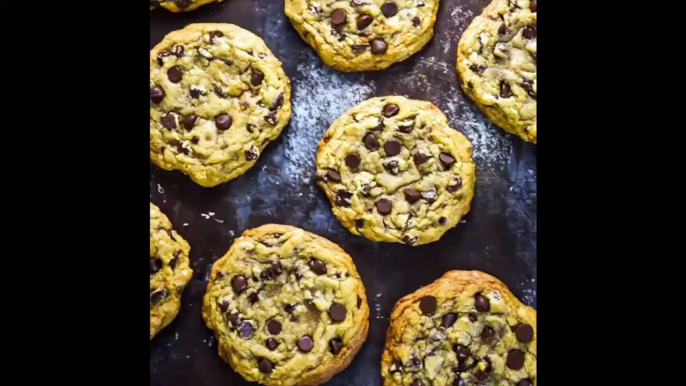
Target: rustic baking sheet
(498, 236)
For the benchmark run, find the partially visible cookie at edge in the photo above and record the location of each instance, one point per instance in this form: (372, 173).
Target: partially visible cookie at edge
(288, 307)
(466, 328)
(363, 35)
(180, 5)
(496, 61)
(395, 171)
(169, 270)
(218, 96)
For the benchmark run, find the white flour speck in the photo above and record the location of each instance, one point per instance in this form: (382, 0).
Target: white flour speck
(160, 189)
(232, 233)
(206, 216)
(211, 214)
(176, 336)
(185, 224)
(219, 221)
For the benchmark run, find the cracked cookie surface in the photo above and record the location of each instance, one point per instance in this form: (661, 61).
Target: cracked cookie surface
(218, 96)
(496, 61)
(180, 5)
(287, 307)
(395, 171)
(363, 35)
(169, 270)
(466, 328)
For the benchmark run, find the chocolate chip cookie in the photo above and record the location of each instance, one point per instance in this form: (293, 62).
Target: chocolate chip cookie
(287, 307)
(496, 60)
(217, 97)
(466, 328)
(180, 5)
(363, 35)
(169, 270)
(395, 171)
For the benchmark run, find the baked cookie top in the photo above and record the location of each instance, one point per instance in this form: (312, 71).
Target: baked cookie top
(395, 171)
(287, 306)
(180, 5)
(466, 328)
(169, 270)
(217, 97)
(363, 35)
(496, 60)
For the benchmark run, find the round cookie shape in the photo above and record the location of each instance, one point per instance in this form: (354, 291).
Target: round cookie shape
(287, 307)
(466, 328)
(496, 61)
(169, 270)
(395, 171)
(180, 5)
(363, 35)
(218, 96)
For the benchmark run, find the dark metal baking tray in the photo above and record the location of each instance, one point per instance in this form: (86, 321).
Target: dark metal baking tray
(498, 236)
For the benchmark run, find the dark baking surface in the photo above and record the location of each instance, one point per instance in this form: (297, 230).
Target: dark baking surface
(498, 236)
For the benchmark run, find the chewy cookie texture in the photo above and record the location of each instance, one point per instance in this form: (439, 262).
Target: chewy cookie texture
(287, 307)
(363, 35)
(466, 328)
(180, 5)
(395, 171)
(496, 61)
(169, 270)
(218, 96)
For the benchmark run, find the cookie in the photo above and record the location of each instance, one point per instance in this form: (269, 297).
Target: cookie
(181, 5)
(287, 307)
(496, 60)
(363, 35)
(466, 328)
(169, 270)
(395, 171)
(217, 97)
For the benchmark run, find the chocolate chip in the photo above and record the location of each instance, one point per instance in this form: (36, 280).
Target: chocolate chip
(272, 344)
(277, 268)
(183, 4)
(189, 121)
(333, 175)
(515, 359)
(428, 305)
(175, 259)
(476, 68)
(253, 297)
(442, 220)
(223, 305)
(392, 147)
(447, 159)
(409, 240)
(359, 302)
(529, 32)
(256, 77)
(384, 206)
(274, 327)
(278, 103)
(215, 34)
(525, 382)
(317, 266)
(162, 54)
(481, 303)
(338, 17)
(239, 284)
(406, 128)
(457, 184)
(289, 308)
(352, 160)
(480, 375)
(524, 333)
(218, 90)
(155, 265)
(462, 352)
(343, 198)
(417, 382)
(502, 30)
(390, 110)
(392, 167)
(364, 20)
(529, 87)
(370, 142)
(389, 9)
(358, 48)
(223, 121)
(532, 5)
(473, 317)
(416, 21)
(488, 332)
(421, 158)
(271, 118)
(181, 149)
(178, 50)
(220, 275)
(168, 121)
(250, 128)
(379, 47)
(265, 366)
(448, 320)
(195, 93)
(459, 381)
(174, 74)
(156, 94)
(234, 319)
(335, 346)
(505, 91)
(337, 312)
(246, 330)
(158, 296)
(252, 153)
(429, 195)
(305, 343)
(412, 195)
